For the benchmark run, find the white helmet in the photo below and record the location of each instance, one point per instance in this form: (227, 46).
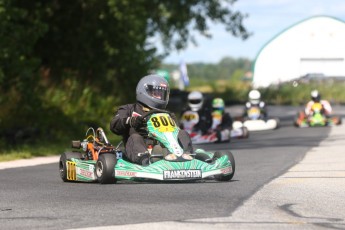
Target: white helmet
(195, 100)
(254, 96)
(315, 95)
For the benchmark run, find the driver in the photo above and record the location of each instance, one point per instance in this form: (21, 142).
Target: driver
(196, 103)
(316, 98)
(152, 92)
(255, 100)
(222, 121)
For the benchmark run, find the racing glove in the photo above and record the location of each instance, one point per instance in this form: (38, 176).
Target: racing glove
(136, 122)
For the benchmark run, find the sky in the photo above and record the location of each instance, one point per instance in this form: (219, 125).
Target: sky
(267, 18)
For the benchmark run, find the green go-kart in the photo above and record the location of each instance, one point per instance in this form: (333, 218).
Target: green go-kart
(96, 160)
(317, 118)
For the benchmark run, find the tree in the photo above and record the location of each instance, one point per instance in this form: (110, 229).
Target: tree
(20, 29)
(94, 37)
(106, 45)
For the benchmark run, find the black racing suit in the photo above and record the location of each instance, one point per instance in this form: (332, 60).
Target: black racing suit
(205, 119)
(226, 122)
(136, 140)
(223, 127)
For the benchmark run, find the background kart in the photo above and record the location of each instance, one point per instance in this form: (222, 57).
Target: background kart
(101, 162)
(255, 122)
(317, 118)
(190, 118)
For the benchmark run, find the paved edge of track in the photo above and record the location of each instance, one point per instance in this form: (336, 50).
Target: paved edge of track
(29, 162)
(310, 195)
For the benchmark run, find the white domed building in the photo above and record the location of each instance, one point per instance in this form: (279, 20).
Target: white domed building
(313, 46)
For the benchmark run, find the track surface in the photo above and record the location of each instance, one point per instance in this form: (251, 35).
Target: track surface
(36, 198)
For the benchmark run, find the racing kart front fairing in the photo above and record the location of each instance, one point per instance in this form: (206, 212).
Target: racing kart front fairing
(316, 118)
(175, 164)
(254, 121)
(84, 170)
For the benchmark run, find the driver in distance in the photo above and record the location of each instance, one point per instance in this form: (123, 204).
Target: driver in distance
(316, 98)
(152, 92)
(254, 97)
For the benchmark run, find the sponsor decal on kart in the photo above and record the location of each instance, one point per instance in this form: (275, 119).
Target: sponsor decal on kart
(227, 170)
(182, 174)
(125, 173)
(86, 173)
(120, 165)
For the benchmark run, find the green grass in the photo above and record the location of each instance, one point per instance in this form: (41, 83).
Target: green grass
(43, 149)
(29, 151)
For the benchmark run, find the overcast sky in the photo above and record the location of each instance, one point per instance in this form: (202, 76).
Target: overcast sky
(267, 18)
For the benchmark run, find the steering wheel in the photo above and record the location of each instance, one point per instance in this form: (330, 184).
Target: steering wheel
(155, 111)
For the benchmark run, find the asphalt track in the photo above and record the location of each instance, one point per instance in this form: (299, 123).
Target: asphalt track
(35, 197)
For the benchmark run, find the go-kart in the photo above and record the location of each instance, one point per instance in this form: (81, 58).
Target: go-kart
(98, 161)
(255, 121)
(316, 118)
(190, 118)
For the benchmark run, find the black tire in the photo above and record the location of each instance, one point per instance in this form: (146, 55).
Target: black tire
(62, 163)
(278, 123)
(245, 132)
(218, 155)
(295, 124)
(105, 168)
(203, 157)
(339, 121)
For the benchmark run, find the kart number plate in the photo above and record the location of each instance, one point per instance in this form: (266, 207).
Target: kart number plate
(182, 174)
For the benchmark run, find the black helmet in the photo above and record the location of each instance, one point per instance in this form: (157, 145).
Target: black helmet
(153, 91)
(315, 96)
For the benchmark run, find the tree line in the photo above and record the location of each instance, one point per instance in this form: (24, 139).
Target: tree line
(224, 69)
(63, 63)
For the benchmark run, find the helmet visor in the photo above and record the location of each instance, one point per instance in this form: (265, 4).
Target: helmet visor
(195, 101)
(159, 92)
(316, 99)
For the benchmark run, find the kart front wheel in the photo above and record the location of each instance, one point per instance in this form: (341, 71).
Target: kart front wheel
(105, 168)
(218, 155)
(62, 163)
(203, 157)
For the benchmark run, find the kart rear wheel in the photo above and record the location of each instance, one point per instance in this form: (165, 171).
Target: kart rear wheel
(245, 132)
(337, 120)
(295, 123)
(278, 123)
(62, 163)
(218, 155)
(105, 168)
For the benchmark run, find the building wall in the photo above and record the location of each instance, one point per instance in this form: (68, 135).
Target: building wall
(315, 45)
